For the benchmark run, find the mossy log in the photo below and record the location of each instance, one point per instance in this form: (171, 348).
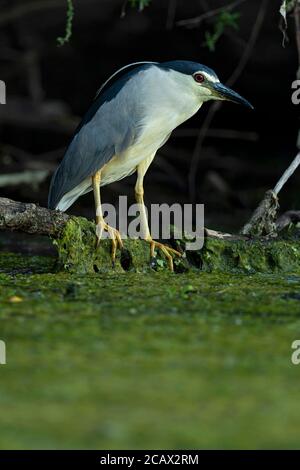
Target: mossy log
(75, 240)
(221, 252)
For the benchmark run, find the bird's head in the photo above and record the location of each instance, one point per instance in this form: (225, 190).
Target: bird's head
(203, 81)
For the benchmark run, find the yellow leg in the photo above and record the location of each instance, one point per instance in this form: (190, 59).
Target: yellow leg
(139, 196)
(100, 223)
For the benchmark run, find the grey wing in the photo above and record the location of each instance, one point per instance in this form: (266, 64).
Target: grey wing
(101, 135)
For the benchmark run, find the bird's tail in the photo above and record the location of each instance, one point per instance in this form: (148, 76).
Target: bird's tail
(63, 202)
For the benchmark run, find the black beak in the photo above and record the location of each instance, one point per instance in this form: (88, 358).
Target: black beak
(225, 93)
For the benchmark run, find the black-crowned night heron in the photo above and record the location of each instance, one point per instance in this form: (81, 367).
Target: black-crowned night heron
(132, 116)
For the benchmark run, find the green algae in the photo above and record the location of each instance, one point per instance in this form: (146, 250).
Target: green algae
(15, 263)
(77, 254)
(264, 256)
(147, 360)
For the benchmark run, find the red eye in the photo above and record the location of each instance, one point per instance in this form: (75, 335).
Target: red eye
(199, 78)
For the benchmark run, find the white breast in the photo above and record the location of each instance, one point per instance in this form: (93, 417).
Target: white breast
(167, 102)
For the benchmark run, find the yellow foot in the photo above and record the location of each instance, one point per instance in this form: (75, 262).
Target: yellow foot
(166, 250)
(116, 240)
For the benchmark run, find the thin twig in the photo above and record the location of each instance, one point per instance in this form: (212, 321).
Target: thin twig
(297, 33)
(123, 9)
(250, 44)
(194, 22)
(287, 174)
(195, 157)
(172, 6)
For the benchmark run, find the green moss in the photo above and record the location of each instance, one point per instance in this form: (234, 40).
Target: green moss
(269, 256)
(77, 248)
(147, 360)
(77, 254)
(14, 263)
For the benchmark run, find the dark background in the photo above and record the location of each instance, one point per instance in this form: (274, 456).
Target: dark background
(49, 87)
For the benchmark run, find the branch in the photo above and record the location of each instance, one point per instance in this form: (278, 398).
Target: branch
(287, 174)
(33, 219)
(33, 177)
(194, 22)
(172, 6)
(30, 218)
(264, 216)
(297, 33)
(262, 221)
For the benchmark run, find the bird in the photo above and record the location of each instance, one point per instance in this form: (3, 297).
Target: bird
(133, 114)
